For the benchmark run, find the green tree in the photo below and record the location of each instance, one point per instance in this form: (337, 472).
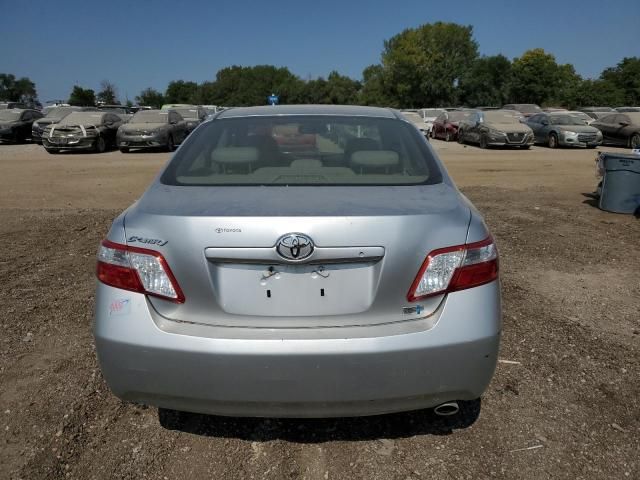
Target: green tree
(373, 90)
(486, 82)
(179, 91)
(108, 93)
(537, 78)
(423, 65)
(625, 76)
(598, 93)
(82, 97)
(151, 98)
(14, 89)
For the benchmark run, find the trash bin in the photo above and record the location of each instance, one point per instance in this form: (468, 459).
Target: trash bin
(621, 183)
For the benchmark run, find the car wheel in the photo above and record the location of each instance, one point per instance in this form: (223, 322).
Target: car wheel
(124, 149)
(635, 140)
(552, 141)
(170, 145)
(483, 141)
(460, 137)
(100, 145)
(52, 151)
(447, 136)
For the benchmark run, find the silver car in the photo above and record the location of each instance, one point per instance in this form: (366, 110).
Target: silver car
(257, 278)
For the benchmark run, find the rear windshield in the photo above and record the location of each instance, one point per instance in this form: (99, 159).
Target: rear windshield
(187, 112)
(150, 116)
(304, 150)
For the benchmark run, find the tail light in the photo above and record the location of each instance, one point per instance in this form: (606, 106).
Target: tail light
(456, 268)
(138, 270)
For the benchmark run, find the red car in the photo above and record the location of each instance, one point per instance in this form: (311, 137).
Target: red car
(445, 127)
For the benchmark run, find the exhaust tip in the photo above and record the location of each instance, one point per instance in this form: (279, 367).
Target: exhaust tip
(447, 409)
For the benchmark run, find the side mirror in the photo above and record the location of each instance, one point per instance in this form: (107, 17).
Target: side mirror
(545, 122)
(624, 124)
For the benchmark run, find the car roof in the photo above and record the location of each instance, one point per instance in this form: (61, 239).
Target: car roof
(345, 110)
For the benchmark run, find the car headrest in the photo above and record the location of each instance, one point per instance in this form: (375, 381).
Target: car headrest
(235, 155)
(375, 158)
(306, 163)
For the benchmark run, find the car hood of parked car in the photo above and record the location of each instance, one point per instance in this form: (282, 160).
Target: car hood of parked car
(129, 127)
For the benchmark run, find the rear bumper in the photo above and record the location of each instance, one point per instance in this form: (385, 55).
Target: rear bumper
(298, 376)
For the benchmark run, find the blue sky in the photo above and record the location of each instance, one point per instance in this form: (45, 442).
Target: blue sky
(138, 44)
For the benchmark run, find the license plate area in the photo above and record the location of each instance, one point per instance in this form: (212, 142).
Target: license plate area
(295, 290)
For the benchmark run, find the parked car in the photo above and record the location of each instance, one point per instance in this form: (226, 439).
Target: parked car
(12, 105)
(54, 115)
(429, 115)
(495, 127)
(620, 129)
(561, 129)
(192, 115)
(82, 131)
(15, 124)
(526, 109)
(416, 119)
(554, 109)
(152, 129)
(326, 282)
(446, 125)
(627, 109)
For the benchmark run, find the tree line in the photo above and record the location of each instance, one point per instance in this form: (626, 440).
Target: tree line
(433, 65)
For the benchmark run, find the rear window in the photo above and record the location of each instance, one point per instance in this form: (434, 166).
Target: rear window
(304, 150)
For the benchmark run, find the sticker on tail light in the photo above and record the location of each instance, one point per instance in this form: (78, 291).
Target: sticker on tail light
(138, 270)
(455, 268)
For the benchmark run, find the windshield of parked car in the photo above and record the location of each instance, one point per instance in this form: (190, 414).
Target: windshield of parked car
(634, 117)
(528, 108)
(58, 113)
(82, 118)
(150, 116)
(190, 113)
(458, 116)
(500, 117)
(10, 115)
(565, 120)
(582, 116)
(431, 113)
(304, 150)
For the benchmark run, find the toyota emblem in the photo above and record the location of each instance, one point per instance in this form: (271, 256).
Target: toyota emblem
(294, 246)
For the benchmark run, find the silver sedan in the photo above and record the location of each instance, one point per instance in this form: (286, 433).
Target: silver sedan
(332, 271)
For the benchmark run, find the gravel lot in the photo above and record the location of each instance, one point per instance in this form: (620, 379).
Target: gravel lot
(567, 405)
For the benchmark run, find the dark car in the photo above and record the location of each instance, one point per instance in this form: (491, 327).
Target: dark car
(627, 109)
(152, 129)
(15, 124)
(54, 115)
(82, 131)
(495, 127)
(192, 115)
(526, 109)
(10, 105)
(621, 129)
(445, 126)
(563, 130)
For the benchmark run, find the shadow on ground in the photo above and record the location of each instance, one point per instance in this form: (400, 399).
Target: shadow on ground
(397, 425)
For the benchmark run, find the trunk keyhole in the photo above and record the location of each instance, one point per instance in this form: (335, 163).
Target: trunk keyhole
(322, 292)
(268, 293)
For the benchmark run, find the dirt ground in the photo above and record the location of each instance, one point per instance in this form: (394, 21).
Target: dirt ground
(567, 406)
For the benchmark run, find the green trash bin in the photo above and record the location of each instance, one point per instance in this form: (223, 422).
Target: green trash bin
(621, 183)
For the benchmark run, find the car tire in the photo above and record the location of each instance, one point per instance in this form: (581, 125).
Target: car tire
(634, 141)
(447, 136)
(52, 151)
(461, 137)
(552, 141)
(100, 145)
(124, 149)
(483, 141)
(170, 145)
